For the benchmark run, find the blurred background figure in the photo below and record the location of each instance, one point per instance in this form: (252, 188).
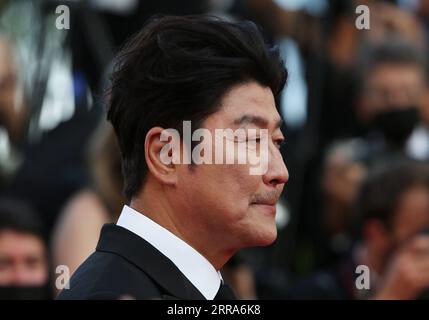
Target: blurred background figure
(13, 112)
(76, 233)
(343, 172)
(24, 266)
(394, 210)
(392, 98)
(392, 225)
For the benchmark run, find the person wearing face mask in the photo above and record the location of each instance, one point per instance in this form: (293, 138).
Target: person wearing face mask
(24, 267)
(392, 95)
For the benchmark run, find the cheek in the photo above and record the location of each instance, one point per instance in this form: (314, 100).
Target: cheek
(237, 187)
(236, 178)
(40, 275)
(226, 188)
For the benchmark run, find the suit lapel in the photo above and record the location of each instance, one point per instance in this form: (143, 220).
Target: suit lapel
(118, 240)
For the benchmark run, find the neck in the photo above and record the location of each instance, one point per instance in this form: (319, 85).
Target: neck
(153, 203)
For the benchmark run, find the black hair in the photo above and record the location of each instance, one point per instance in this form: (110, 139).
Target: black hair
(179, 68)
(19, 216)
(380, 194)
(391, 50)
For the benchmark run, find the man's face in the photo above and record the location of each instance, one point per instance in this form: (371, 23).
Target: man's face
(389, 86)
(22, 259)
(225, 200)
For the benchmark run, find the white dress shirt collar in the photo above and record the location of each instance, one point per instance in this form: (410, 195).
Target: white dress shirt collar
(195, 267)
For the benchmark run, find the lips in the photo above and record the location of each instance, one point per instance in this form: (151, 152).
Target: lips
(271, 201)
(269, 208)
(266, 201)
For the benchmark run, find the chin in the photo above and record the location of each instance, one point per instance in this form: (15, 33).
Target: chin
(264, 237)
(269, 239)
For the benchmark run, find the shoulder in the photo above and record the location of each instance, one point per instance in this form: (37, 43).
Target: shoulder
(106, 275)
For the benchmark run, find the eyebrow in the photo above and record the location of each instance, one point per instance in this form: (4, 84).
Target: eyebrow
(257, 120)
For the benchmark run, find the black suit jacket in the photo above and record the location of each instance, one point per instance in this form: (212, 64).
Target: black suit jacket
(124, 264)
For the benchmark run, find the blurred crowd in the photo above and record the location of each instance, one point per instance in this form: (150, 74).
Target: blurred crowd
(356, 111)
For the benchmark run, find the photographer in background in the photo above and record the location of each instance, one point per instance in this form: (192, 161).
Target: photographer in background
(393, 213)
(394, 206)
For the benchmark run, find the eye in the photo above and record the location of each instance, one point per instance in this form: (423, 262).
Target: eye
(257, 139)
(279, 143)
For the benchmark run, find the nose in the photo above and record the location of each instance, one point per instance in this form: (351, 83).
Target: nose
(277, 173)
(20, 275)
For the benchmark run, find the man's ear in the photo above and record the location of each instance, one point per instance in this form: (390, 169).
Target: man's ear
(159, 156)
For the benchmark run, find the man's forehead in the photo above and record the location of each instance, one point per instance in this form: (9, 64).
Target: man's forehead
(258, 120)
(247, 104)
(247, 95)
(245, 118)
